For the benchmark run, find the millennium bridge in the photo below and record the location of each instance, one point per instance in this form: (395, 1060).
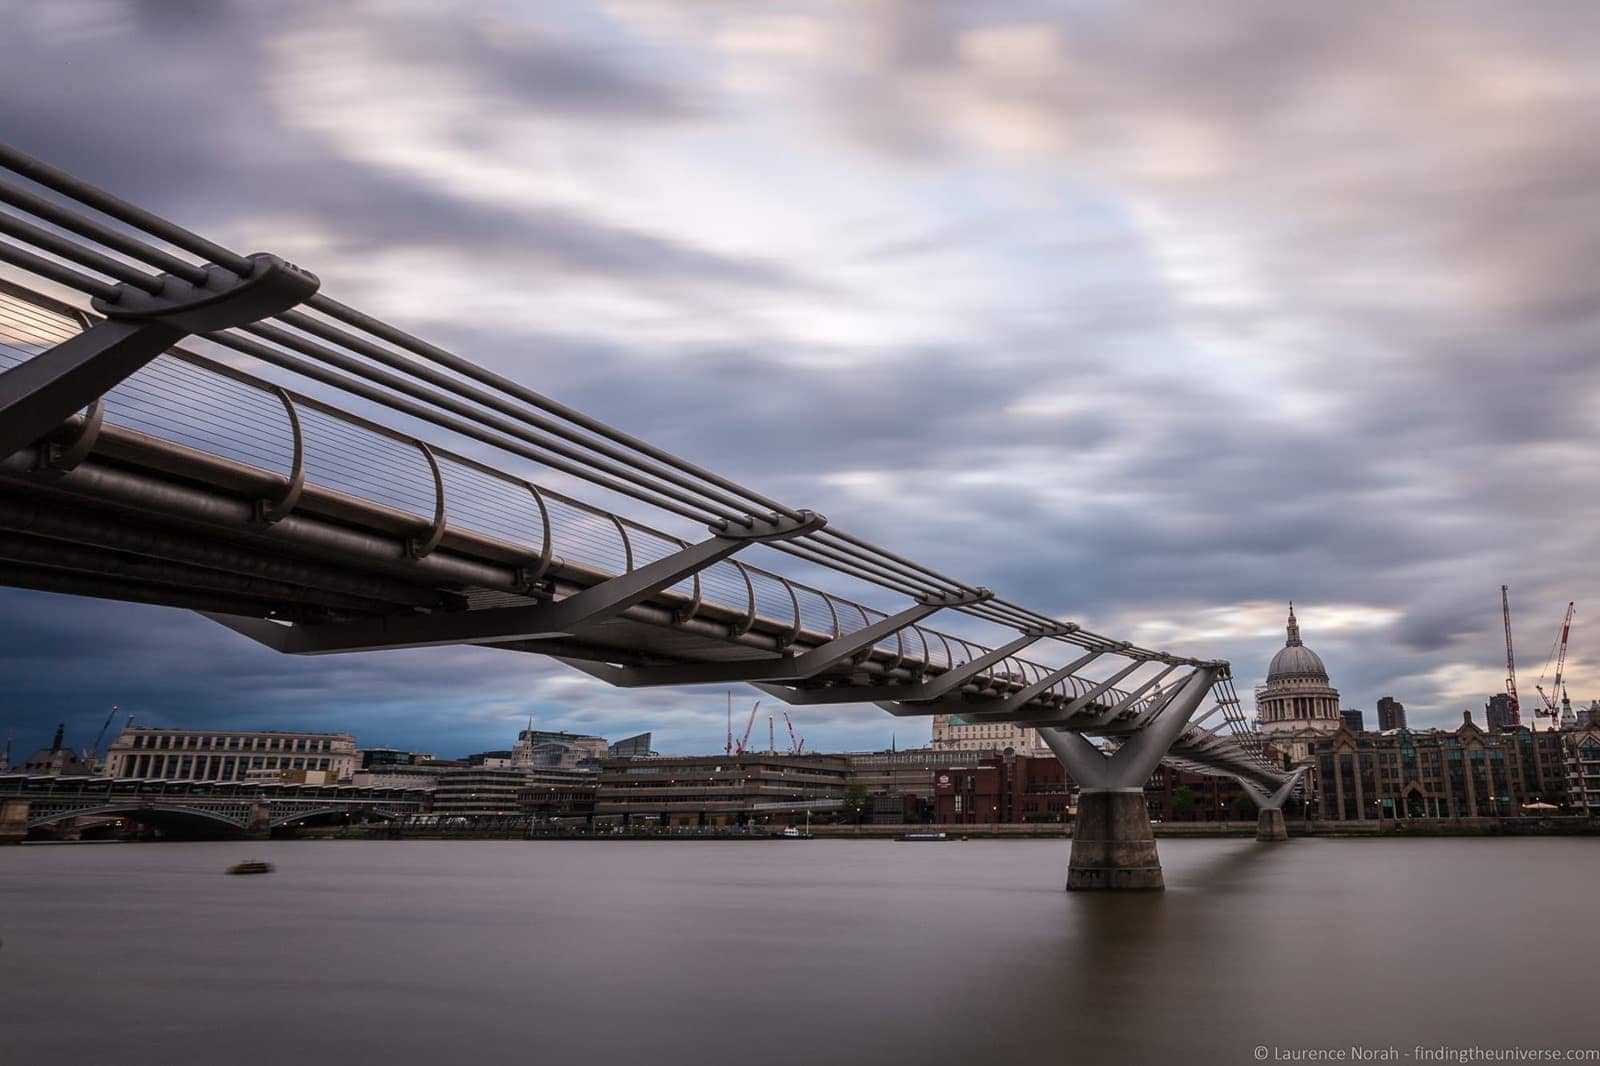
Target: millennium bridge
(187, 426)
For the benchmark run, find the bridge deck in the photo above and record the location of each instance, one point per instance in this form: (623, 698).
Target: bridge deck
(163, 510)
(135, 469)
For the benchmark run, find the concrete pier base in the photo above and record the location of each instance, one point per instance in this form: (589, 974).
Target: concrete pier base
(13, 820)
(1270, 827)
(1113, 846)
(259, 826)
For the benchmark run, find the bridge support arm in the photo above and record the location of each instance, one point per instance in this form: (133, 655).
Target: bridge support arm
(788, 667)
(1275, 799)
(1132, 764)
(40, 394)
(924, 690)
(504, 625)
(1270, 826)
(1013, 704)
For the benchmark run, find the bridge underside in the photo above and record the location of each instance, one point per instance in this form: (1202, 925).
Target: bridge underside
(134, 514)
(174, 821)
(148, 521)
(136, 469)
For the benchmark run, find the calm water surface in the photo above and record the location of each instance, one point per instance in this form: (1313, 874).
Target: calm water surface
(809, 952)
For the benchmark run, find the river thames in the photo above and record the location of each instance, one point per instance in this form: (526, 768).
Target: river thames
(788, 952)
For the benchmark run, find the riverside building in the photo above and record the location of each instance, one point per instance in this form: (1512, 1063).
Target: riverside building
(477, 792)
(558, 795)
(1582, 757)
(899, 784)
(230, 755)
(999, 789)
(1435, 773)
(1002, 789)
(718, 790)
(953, 733)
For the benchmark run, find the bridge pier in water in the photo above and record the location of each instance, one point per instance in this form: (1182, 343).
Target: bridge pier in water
(13, 820)
(1270, 826)
(1113, 845)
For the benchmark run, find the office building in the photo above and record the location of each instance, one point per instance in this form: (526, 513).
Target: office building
(370, 758)
(478, 792)
(1353, 719)
(410, 775)
(1391, 714)
(954, 733)
(558, 795)
(229, 755)
(634, 747)
(1581, 749)
(547, 749)
(884, 773)
(720, 790)
(1499, 714)
(899, 784)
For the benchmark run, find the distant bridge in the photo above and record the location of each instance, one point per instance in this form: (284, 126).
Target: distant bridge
(315, 520)
(33, 802)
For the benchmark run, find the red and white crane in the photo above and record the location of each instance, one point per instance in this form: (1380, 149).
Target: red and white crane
(1559, 654)
(744, 741)
(1515, 717)
(794, 745)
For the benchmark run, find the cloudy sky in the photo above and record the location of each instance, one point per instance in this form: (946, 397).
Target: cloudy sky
(1151, 316)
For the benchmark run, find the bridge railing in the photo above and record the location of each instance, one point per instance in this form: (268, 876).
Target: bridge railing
(202, 404)
(155, 282)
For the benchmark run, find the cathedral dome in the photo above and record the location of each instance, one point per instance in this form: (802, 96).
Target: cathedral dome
(1296, 660)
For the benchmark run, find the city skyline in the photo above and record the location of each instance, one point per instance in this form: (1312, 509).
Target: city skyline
(1160, 388)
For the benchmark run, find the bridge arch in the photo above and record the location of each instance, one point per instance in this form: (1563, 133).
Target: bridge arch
(364, 813)
(135, 810)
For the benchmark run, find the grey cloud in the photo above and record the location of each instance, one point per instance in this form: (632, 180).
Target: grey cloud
(1413, 191)
(178, 115)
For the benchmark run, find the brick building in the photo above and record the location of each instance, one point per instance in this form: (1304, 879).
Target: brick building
(1436, 773)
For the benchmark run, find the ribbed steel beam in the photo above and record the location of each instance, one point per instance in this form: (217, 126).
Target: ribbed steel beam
(232, 536)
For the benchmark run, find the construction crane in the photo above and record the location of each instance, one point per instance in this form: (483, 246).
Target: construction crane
(744, 741)
(89, 756)
(1559, 654)
(794, 745)
(1515, 717)
(729, 749)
